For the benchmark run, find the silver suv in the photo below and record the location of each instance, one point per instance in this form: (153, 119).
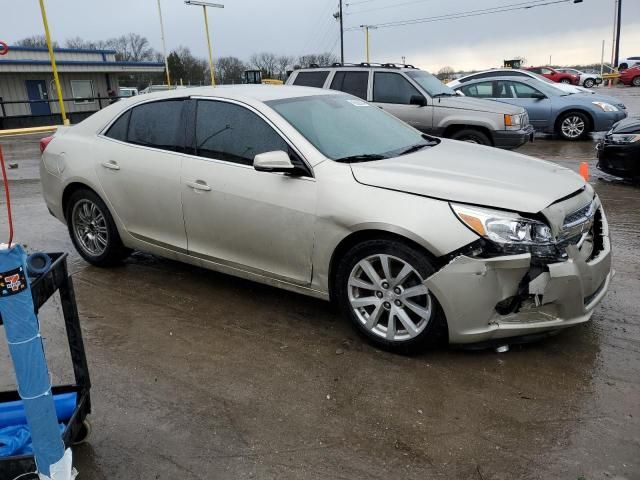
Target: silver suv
(424, 102)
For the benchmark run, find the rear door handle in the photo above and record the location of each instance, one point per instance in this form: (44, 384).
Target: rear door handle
(200, 185)
(111, 165)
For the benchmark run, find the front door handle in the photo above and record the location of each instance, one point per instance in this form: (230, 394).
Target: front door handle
(199, 185)
(111, 165)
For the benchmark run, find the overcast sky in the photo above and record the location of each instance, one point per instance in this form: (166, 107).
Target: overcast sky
(571, 33)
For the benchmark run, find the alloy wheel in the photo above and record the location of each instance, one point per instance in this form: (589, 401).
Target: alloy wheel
(389, 298)
(90, 227)
(588, 83)
(573, 127)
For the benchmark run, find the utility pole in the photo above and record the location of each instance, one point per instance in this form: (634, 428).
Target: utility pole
(204, 6)
(341, 36)
(54, 68)
(616, 55)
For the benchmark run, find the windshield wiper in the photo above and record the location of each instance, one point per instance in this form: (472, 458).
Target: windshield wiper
(364, 157)
(416, 147)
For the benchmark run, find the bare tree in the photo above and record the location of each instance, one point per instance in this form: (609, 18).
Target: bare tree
(266, 62)
(325, 58)
(35, 41)
(132, 48)
(445, 73)
(229, 70)
(284, 63)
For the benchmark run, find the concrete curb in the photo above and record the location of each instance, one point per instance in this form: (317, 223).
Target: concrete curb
(27, 131)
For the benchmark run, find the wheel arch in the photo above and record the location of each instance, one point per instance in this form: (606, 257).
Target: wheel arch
(364, 235)
(456, 127)
(556, 123)
(70, 189)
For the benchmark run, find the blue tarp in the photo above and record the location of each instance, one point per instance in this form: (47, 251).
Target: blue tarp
(27, 352)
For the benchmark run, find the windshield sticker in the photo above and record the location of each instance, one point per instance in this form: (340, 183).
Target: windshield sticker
(358, 103)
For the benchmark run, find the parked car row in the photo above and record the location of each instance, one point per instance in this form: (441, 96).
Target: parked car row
(424, 102)
(551, 110)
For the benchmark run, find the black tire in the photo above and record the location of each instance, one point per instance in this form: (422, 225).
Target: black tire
(636, 81)
(83, 434)
(114, 251)
(471, 135)
(573, 116)
(434, 330)
(565, 80)
(589, 83)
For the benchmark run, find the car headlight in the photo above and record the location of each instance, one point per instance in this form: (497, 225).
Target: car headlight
(511, 232)
(513, 122)
(606, 107)
(625, 137)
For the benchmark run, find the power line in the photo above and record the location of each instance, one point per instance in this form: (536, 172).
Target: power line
(386, 7)
(471, 13)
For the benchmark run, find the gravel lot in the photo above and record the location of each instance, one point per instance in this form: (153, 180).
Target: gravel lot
(197, 375)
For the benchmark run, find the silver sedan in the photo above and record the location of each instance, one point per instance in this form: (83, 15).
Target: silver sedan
(417, 239)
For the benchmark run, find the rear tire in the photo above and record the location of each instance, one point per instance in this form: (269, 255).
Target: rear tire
(589, 83)
(573, 126)
(93, 231)
(471, 135)
(565, 80)
(379, 288)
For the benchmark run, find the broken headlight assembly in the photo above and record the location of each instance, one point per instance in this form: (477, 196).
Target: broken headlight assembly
(509, 232)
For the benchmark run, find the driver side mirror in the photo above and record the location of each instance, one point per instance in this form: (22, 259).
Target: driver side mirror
(274, 162)
(538, 96)
(418, 100)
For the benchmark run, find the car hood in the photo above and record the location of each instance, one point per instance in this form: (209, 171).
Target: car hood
(466, 173)
(629, 125)
(477, 104)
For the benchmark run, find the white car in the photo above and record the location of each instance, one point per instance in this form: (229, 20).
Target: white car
(316, 191)
(628, 62)
(512, 72)
(587, 80)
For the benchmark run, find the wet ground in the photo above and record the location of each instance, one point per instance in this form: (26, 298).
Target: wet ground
(198, 375)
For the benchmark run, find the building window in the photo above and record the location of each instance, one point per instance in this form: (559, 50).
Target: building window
(82, 91)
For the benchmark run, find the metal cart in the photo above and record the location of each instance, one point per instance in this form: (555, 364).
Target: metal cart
(78, 428)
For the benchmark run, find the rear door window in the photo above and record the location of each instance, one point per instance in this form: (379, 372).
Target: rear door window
(118, 130)
(504, 89)
(392, 88)
(158, 124)
(311, 79)
(479, 90)
(353, 83)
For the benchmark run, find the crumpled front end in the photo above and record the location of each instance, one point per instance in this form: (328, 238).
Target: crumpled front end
(492, 297)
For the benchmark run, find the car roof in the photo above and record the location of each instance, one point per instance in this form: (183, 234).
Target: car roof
(515, 78)
(260, 93)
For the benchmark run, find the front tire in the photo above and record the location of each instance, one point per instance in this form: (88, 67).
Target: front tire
(589, 83)
(93, 231)
(573, 126)
(380, 289)
(636, 81)
(472, 136)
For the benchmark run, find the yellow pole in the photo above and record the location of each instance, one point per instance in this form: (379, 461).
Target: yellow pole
(164, 47)
(206, 26)
(52, 56)
(366, 34)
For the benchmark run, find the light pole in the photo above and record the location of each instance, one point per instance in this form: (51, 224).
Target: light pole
(204, 6)
(54, 68)
(366, 37)
(164, 47)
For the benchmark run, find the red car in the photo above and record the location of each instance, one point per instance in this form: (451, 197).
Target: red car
(555, 75)
(631, 76)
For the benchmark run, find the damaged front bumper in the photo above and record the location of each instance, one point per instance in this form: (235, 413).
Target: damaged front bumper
(471, 290)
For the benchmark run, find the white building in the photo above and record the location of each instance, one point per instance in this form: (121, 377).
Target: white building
(85, 75)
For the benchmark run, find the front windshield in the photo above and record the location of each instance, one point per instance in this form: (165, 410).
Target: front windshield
(341, 126)
(429, 83)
